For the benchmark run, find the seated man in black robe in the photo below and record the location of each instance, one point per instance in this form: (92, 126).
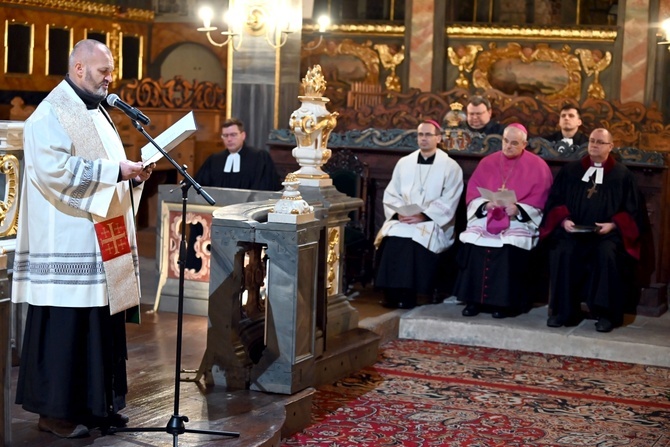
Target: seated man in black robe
(570, 119)
(478, 117)
(238, 166)
(592, 225)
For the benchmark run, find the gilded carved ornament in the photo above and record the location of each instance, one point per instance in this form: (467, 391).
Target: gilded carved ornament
(85, 7)
(115, 48)
(594, 62)
(603, 34)
(308, 125)
(542, 53)
(390, 61)
(463, 57)
(314, 84)
(333, 257)
(362, 28)
(363, 51)
(9, 166)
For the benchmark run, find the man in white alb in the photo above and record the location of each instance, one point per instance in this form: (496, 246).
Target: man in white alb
(420, 206)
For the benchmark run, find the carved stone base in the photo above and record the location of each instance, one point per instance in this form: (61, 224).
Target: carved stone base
(653, 300)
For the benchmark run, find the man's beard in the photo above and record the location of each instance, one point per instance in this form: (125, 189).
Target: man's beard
(100, 92)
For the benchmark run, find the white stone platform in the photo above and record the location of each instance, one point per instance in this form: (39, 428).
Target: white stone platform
(642, 340)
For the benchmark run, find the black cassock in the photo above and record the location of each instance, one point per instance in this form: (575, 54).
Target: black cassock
(586, 266)
(257, 171)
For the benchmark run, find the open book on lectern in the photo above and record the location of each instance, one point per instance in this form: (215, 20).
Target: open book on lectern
(169, 139)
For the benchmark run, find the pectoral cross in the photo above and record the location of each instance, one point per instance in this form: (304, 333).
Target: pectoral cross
(592, 190)
(502, 188)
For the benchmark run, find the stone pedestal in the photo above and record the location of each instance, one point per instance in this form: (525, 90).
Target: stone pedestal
(271, 350)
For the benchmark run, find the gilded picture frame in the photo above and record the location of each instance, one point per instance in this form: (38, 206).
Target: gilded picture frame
(539, 71)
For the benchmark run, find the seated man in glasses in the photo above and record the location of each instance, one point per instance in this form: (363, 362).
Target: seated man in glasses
(478, 117)
(420, 206)
(592, 226)
(239, 165)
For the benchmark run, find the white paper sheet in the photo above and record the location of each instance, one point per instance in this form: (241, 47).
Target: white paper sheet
(169, 139)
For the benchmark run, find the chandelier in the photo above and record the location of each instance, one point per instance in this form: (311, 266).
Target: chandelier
(275, 20)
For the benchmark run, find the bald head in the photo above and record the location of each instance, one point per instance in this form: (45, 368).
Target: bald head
(600, 145)
(90, 67)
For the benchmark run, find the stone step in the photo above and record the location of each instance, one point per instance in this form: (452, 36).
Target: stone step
(345, 354)
(641, 340)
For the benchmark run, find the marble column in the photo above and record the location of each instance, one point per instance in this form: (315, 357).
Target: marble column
(263, 81)
(421, 44)
(634, 52)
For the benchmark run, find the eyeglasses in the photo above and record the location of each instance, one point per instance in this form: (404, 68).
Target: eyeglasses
(230, 135)
(598, 142)
(421, 134)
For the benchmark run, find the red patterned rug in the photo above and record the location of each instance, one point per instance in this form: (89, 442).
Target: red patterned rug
(433, 394)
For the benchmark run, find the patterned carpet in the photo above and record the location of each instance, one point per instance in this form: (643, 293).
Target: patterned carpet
(432, 394)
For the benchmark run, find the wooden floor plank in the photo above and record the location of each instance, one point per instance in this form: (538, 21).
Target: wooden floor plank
(257, 417)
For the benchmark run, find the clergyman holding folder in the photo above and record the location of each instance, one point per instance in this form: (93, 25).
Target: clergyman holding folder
(420, 206)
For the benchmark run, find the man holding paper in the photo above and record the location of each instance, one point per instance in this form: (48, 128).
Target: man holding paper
(76, 253)
(592, 228)
(420, 206)
(505, 198)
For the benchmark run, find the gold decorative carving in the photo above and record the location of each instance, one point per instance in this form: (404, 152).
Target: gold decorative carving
(91, 8)
(631, 124)
(363, 28)
(602, 34)
(313, 84)
(333, 256)
(594, 62)
(390, 61)
(9, 215)
(363, 51)
(487, 60)
(463, 57)
(115, 48)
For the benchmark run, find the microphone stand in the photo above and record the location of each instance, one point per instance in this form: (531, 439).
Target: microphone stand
(175, 425)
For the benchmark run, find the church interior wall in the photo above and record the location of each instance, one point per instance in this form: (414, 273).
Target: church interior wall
(359, 55)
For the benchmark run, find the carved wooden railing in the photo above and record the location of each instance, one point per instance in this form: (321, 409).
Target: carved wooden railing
(176, 93)
(632, 124)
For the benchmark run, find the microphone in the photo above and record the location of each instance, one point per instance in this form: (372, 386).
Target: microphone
(134, 114)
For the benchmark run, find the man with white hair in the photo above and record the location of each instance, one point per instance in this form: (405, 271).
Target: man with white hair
(505, 198)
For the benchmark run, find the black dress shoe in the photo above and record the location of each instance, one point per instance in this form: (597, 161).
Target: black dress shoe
(604, 325)
(117, 420)
(470, 310)
(555, 321)
(499, 314)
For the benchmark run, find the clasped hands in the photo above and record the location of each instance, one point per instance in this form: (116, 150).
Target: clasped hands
(511, 209)
(603, 228)
(413, 219)
(135, 170)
